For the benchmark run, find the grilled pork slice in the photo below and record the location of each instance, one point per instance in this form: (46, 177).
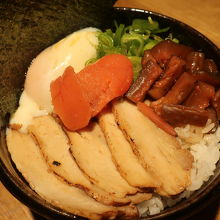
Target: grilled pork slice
(92, 155)
(122, 154)
(30, 162)
(158, 152)
(140, 197)
(54, 145)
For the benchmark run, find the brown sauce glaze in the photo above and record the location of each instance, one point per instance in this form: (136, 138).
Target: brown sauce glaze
(179, 115)
(195, 61)
(178, 93)
(201, 96)
(147, 77)
(173, 70)
(164, 50)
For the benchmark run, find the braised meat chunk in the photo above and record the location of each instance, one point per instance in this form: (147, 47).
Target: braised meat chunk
(178, 93)
(216, 103)
(175, 67)
(195, 61)
(179, 115)
(164, 50)
(201, 96)
(149, 74)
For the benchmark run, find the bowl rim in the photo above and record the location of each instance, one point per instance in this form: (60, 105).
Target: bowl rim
(161, 15)
(15, 187)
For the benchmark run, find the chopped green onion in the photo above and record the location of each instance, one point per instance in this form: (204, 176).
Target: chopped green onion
(131, 41)
(109, 32)
(105, 40)
(150, 44)
(118, 34)
(90, 61)
(135, 42)
(170, 37)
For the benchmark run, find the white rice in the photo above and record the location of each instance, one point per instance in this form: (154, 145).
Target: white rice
(205, 149)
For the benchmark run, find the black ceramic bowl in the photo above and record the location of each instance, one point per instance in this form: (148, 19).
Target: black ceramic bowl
(12, 84)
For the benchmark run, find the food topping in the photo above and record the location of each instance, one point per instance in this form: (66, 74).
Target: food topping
(163, 51)
(147, 77)
(173, 70)
(149, 112)
(123, 156)
(201, 96)
(216, 103)
(210, 66)
(78, 97)
(178, 93)
(43, 129)
(146, 57)
(213, 117)
(108, 78)
(195, 61)
(179, 115)
(186, 79)
(158, 152)
(131, 41)
(91, 153)
(70, 101)
(207, 77)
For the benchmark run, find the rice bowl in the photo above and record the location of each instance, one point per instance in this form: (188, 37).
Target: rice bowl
(211, 143)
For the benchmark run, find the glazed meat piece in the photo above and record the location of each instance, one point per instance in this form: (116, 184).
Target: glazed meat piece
(179, 115)
(178, 93)
(195, 61)
(149, 74)
(122, 154)
(210, 66)
(164, 50)
(216, 103)
(146, 57)
(55, 149)
(201, 96)
(158, 152)
(49, 186)
(203, 76)
(212, 115)
(174, 69)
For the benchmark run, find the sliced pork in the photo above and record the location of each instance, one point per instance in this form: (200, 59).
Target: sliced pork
(158, 152)
(55, 146)
(126, 161)
(92, 155)
(48, 186)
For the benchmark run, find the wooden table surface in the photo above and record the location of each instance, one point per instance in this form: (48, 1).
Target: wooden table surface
(200, 14)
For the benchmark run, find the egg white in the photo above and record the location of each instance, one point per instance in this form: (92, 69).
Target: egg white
(73, 50)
